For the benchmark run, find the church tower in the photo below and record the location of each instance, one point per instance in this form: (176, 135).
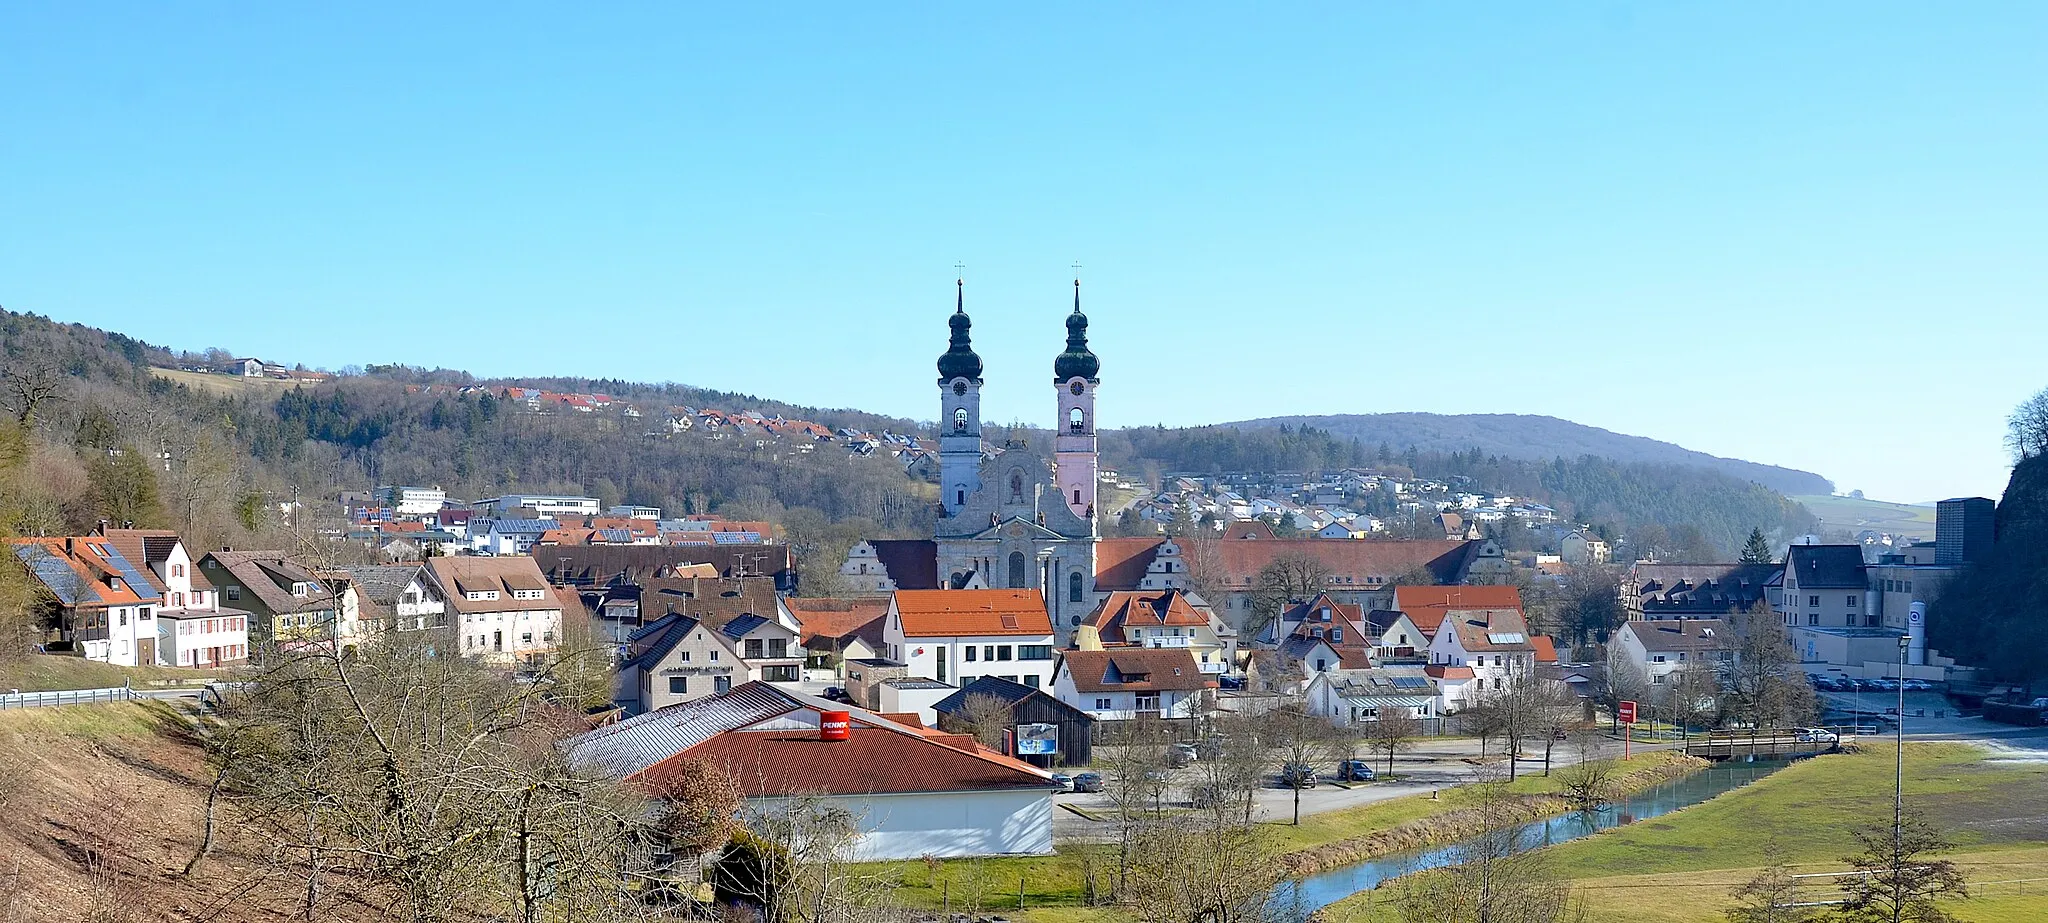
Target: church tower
(1074, 374)
(960, 411)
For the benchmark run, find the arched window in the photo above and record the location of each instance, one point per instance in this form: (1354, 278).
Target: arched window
(1074, 587)
(1016, 486)
(1018, 567)
(960, 419)
(1077, 421)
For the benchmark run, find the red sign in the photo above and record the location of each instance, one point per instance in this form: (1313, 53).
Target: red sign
(835, 725)
(1625, 712)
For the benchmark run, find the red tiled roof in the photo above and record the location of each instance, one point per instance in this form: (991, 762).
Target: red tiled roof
(1444, 671)
(872, 761)
(1139, 669)
(837, 618)
(1546, 650)
(1120, 562)
(1426, 605)
(1126, 609)
(956, 613)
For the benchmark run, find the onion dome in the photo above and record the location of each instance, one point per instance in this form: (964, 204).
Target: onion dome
(1077, 361)
(959, 360)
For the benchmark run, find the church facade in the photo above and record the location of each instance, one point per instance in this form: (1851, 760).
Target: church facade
(1014, 518)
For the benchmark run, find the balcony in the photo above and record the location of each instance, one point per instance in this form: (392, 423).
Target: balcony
(1214, 668)
(1169, 642)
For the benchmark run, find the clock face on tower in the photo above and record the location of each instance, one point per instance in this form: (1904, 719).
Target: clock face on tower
(1075, 388)
(960, 387)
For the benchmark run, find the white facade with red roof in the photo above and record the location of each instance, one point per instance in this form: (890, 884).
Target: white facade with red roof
(958, 636)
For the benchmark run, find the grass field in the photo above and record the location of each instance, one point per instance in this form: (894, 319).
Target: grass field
(1856, 515)
(1995, 811)
(44, 672)
(1051, 883)
(224, 384)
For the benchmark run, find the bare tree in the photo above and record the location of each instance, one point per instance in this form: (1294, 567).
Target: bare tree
(1290, 577)
(2026, 432)
(1394, 730)
(987, 717)
(797, 864)
(1772, 896)
(1134, 779)
(30, 386)
(1495, 878)
(1766, 687)
(1589, 781)
(1305, 741)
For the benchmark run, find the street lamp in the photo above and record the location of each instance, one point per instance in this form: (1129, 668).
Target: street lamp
(1899, 777)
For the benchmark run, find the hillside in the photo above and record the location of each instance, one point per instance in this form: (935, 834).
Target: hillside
(1538, 438)
(1849, 514)
(234, 449)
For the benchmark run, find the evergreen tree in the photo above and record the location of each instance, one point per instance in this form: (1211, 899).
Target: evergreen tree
(1757, 550)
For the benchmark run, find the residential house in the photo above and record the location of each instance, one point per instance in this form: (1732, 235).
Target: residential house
(1305, 630)
(1825, 586)
(838, 630)
(1666, 646)
(1352, 697)
(1039, 728)
(957, 636)
(508, 537)
(500, 608)
(1426, 606)
(101, 604)
(915, 793)
(1128, 683)
(1159, 619)
(402, 594)
(681, 657)
(1579, 547)
(1395, 637)
(1493, 643)
(287, 602)
(193, 630)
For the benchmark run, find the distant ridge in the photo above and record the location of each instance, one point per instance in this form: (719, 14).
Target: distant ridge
(1538, 437)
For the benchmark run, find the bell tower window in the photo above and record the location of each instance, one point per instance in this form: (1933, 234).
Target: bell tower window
(960, 420)
(1077, 421)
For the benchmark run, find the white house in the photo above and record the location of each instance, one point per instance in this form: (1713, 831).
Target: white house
(501, 609)
(192, 629)
(1493, 643)
(506, 537)
(958, 636)
(914, 792)
(1667, 646)
(1126, 683)
(685, 656)
(400, 595)
(414, 501)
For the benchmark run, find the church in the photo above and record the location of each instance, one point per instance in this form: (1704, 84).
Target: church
(1011, 519)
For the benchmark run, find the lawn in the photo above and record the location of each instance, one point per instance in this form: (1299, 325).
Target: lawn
(225, 384)
(1059, 880)
(44, 672)
(1996, 811)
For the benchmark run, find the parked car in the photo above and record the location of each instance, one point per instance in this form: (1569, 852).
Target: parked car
(1817, 736)
(1356, 771)
(1919, 685)
(1186, 753)
(835, 693)
(1231, 682)
(1178, 757)
(1298, 775)
(1064, 781)
(1088, 783)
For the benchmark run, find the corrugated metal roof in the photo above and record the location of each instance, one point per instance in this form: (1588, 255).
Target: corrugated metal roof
(641, 741)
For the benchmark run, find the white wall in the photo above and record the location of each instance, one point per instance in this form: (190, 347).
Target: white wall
(947, 825)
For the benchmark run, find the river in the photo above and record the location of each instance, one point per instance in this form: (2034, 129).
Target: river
(1305, 896)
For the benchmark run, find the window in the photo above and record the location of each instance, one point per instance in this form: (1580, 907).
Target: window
(778, 647)
(1031, 680)
(753, 648)
(142, 614)
(1101, 704)
(1016, 486)
(1002, 652)
(1034, 652)
(1658, 658)
(1852, 599)
(960, 419)
(1813, 618)
(1077, 422)
(714, 656)
(721, 683)
(1018, 570)
(940, 654)
(686, 657)
(1813, 600)
(679, 685)
(1074, 579)
(1657, 680)
(971, 651)
(177, 570)
(781, 673)
(233, 591)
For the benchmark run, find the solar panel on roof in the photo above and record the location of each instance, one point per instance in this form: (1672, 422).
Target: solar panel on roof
(1506, 637)
(137, 583)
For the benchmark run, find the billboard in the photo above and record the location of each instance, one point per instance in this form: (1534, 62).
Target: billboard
(1038, 739)
(1625, 712)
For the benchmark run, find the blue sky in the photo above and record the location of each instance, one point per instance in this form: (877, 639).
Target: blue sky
(1810, 236)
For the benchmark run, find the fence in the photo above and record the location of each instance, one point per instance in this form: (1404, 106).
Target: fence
(66, 697)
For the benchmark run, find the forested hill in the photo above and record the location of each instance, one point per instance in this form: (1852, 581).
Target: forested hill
(227, 449)
(1538, 438)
